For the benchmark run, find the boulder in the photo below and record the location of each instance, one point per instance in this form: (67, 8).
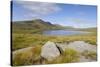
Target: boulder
(50, 51)
(61, 47)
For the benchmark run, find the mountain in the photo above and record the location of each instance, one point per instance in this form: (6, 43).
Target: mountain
(33, 26)
(38, 25)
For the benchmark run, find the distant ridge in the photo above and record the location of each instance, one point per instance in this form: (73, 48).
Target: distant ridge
(33, 26)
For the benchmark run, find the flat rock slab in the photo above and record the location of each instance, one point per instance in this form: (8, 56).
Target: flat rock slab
(82, 46)
(22, 50)
(28, 52)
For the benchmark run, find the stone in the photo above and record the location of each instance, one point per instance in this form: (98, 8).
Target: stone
(50, 51)
(82, 46)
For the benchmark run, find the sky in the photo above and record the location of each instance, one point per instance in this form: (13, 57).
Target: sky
(78, 16)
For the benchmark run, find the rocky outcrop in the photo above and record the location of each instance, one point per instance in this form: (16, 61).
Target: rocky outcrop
(49, 51)
(52, 50)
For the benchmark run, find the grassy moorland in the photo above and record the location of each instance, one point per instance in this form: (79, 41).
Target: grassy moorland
(29, 35)
(26, 40)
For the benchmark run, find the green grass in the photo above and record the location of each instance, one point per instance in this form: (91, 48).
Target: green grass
(25, 40)
(37, 40)
(68, 56)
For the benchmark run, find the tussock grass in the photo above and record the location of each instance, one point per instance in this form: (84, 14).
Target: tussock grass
(68, 56)
(28, 57)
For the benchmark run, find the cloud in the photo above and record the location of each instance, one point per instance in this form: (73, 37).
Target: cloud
(81, 20)
(78, 20)
(36, 9)
(81, 13)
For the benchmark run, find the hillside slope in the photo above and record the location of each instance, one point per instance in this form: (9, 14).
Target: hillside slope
(33, 26)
